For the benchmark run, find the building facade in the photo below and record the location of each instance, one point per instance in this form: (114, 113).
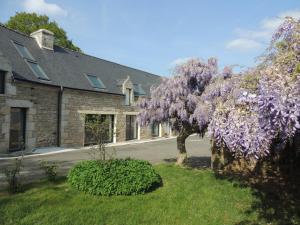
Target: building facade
(48, 93)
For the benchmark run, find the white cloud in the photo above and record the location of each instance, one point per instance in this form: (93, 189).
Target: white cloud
(243, 44)
(180, 61)
(252, 34)
(42, 7)
(272, 23)
(254, 39)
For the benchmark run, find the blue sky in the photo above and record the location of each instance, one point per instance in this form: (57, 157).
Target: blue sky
(155, 35)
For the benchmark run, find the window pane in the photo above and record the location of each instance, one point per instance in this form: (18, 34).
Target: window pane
(38, 71)
(131, 127)
(24, 52)
(17, 129)
(95, 82)
(2, 82)
(104, 126)
(127, 96)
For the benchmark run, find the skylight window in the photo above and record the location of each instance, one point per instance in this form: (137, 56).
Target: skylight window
(95, 82)
(34, 66)
(23, 51)
(37, 70)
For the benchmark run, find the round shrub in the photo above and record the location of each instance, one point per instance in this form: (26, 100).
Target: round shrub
(114, 177)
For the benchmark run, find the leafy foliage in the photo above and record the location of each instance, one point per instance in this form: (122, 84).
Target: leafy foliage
(12, 174)
(114, 177)
(176, 98)
(261, 113)
(50, 169)
(250, 114)
(175, 101)
(98, 126)
(30, 22)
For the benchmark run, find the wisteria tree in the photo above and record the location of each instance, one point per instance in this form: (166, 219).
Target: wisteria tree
(174, 101)
(260, 111)
(249, 114)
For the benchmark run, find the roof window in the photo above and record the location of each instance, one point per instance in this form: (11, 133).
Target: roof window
(95, 82)
(32, 63)
(23, 51)
(37, 70)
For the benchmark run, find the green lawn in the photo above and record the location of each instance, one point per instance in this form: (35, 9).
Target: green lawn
(186, 197)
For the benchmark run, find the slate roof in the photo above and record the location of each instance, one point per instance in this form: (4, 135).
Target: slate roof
(67, 68)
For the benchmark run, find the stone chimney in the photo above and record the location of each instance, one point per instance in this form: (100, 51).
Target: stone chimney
(44, 38)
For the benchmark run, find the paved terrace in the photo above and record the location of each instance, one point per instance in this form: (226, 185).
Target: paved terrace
(157, 151)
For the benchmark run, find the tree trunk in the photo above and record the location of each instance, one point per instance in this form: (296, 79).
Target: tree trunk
(182, 156)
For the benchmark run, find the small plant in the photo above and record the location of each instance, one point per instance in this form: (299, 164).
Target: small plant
(50, 169)
(100, 131)
(12, 174)
(114, 177)
(98, 127)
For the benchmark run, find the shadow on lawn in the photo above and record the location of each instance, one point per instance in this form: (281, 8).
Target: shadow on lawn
(194, 162)
(277, 195)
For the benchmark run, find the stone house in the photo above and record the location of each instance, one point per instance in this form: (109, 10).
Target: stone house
(48, 92)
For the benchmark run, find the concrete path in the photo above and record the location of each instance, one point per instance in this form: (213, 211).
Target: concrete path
(155, 152)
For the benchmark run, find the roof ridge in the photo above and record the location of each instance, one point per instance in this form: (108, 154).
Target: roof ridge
(26, 35)
(16, 31)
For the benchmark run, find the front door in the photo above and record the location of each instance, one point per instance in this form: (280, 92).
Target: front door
(17, 129)
(131, 127)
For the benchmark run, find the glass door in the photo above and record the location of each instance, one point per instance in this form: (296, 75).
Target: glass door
(155, 129)
(131, 127)
(98, 126)
(17, 129)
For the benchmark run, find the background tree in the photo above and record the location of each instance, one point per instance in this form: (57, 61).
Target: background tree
(176, 99)
(30, 22)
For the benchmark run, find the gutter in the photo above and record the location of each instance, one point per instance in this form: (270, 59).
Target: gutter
(53, 85)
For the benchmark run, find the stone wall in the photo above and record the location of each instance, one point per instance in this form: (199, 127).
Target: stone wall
(75, 104)
(40, 102)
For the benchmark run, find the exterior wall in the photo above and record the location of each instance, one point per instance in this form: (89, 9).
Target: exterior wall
(75, 104)
(40, 103)
(145, 132)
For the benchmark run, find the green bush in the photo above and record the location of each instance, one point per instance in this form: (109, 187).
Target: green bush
(114, 177)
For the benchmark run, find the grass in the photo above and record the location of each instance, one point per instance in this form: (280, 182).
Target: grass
(186, 197)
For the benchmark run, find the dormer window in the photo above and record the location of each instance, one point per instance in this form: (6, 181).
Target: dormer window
(128, 96)
(138, 90)
(31, 62)
(95, 82)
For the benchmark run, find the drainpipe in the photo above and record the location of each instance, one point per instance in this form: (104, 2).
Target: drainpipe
(59, 107)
